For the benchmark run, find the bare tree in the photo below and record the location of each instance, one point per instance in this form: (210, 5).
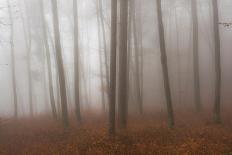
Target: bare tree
(76, 62)
(164, 65)
(106, 61)
(60, 64)
(196, 56)
(100, 61)
(217, 46)
(27, 36)
(136, 49)
(48, 58)
(122, 89)
(113, 56)
(13, 60)
(140, 42)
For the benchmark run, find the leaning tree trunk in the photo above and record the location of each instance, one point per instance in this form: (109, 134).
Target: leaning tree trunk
(122, 89)
(113, 51)
(13, 62)
(217, 100)
(48, 58)
(164, 65)
(60, 64)
(58, 98)
(196, 56)
(76, 63)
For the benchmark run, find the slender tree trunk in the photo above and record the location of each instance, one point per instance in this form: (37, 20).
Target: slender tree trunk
(113, 58)
(85, 88)
(217, 46)
(140, 40)
(28, 49)
(60, 64)
(196, 56)
(58, 98)
(48, 58)
(100, 61)
(89, 68)
(100, 9)
(129, 51)
(122, 90)
(137, 67)
(178, 59)
(76, 62)
(13, 61)
(164, 65)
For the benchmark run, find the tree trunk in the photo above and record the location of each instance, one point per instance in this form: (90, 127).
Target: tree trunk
(217, 46)
(76, 63)
(13, 61)
(179, 60)
(113, 51)
(122, 89)
(101, 62)
(129, 55)
(196, 56)
(164, 65)
(140, 41)
(49, 65)
(100, 9)
(137, 67)
(60, 64)
(28, 49)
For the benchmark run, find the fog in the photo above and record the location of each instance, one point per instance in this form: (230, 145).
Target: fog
(23, 29)
(115, 61)
(178, 33)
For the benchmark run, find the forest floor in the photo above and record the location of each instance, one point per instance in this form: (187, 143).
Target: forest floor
(147, 135)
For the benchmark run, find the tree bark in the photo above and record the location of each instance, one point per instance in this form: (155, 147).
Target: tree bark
(140, 40)
(101, 62)
(113, 58)
(136, 49)
(100, 9)
(76, 63)
(49, 65)
(60, 64)
(28, 49)
(13, 61)
(217, 46)
(122, 89)
(164, 65)
(196, 56)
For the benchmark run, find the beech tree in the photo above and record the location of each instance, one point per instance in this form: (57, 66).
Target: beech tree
(101, 65)
(15, 99)
(136, 55)
(122, 86)
(106, 61)
(113, 56)
(217, 48)
(76, 62)
(196, 56)
(60, 64)
(48, 59)
(28, 40)
(164, 65)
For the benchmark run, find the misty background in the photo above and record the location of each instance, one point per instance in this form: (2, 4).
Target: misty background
(178, 35)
